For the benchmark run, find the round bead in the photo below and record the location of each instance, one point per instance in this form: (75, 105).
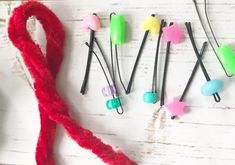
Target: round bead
(152, 24)
(91, 22)
(113, 103)
(211, 87)
(150, 97)
(109, 91)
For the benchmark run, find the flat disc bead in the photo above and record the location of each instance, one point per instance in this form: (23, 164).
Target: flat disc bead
(113, 103)
(211, 87)
(150, 97)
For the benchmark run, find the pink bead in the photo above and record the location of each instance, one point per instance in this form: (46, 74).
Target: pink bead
(176, 108)
(173, 33)
(91, 22)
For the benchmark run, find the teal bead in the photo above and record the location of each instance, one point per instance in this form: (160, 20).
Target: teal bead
(113, 103)
(150, 97)
(211, 87)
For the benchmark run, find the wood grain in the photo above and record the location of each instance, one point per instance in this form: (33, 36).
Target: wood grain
(204, 136)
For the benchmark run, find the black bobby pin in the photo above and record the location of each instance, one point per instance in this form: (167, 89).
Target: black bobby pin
(187, 85)
(207, 35)
(89, 60)
(193, 73)
(102, 53)
(190, 80)
(162, 101)
(209, 23)
(116, 58)
(113, 78)
(106, 76)
(118, 69)
(189, 29)
(154, 82)
(137, 60)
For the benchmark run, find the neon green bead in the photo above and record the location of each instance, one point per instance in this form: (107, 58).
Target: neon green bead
(227, 57)
(113, 103)
(118, 29)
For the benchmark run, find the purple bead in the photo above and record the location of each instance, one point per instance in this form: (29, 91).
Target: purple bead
(109, 91)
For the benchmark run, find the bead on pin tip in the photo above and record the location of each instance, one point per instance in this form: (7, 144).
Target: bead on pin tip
(176, 107)
(113, 103)
(152, 24)
(117, 29)
(180, 109)
(225, 66)
(212, 87)
(227, 57)
(173, 34)
(91, 22)
(109, 90)
(150, 97)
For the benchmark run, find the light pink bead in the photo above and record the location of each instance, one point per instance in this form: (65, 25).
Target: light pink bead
(109, 90)
(91, 22)
(176, 108)
(173, 33)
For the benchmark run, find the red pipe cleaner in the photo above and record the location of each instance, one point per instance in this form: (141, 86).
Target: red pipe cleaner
(43, 70)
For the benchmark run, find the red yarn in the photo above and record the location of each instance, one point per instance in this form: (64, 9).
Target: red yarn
(44, 69)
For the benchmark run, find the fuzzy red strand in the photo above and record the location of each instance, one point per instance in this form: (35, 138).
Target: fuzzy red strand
(43, 69)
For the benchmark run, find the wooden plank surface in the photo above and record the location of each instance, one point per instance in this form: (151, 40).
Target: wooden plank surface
(204, 136)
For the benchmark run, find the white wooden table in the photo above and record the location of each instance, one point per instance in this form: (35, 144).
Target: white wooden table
(204, 136)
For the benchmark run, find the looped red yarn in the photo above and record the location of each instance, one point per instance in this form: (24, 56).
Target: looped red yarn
(44, 69)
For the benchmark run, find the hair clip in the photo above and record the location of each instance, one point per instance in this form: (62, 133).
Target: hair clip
(117, 37)
(150, 24)
(171, 34)
(224, 53)
(91, 23)
(211, 87)
(177, 106)
(152, 96)
(110, 90)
